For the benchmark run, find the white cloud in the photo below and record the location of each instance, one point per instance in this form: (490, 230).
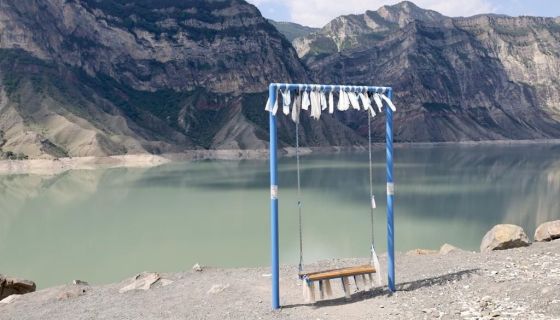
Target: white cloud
(317, 13)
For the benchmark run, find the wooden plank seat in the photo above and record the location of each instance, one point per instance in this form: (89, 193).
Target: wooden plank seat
(361, 274)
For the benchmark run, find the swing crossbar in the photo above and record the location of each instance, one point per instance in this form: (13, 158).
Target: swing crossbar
(338, 273)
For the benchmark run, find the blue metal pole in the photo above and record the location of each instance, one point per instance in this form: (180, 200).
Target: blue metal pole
(274, 203)
(390, 195)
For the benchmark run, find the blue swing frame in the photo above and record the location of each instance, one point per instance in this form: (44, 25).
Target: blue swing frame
(272, 90)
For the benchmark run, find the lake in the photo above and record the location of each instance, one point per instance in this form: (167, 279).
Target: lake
(108, 224)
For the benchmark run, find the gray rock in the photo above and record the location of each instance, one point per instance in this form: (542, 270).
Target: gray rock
(10, 299)
(217, 288)
(447, 248)
(142, 281)
(80, 283)
(548, 231)
(504, 236)
(197, 268)
(9, 286)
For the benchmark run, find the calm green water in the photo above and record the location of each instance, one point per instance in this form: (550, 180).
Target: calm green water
(106, 225)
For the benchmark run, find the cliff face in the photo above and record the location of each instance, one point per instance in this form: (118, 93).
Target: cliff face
(483, 77)
(101, 77)
(151, 45)
(292, 30)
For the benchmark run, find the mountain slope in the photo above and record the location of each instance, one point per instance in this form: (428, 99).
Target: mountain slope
(292, 30)
(479, 78)
(103, 77)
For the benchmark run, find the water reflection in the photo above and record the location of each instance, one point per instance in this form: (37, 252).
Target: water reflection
(104, 225)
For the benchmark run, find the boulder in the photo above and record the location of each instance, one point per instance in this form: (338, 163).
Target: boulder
(548, 231)
(9, 286)
(504, 236)
(447, 248)
(142, 281)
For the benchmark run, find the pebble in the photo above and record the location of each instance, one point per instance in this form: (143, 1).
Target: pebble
(217, 288)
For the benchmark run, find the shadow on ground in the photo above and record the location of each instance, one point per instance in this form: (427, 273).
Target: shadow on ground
(406, 286)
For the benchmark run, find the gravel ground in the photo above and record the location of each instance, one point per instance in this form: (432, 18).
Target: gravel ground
(520, 283)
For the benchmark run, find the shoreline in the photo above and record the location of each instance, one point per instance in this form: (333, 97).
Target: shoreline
(56, 166)
(517, 283)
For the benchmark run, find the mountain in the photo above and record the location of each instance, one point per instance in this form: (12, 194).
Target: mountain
(478, 78)
(292, 30)
(103, 77)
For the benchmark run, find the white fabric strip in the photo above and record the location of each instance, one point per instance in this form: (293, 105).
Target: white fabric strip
(354, 101)
(389, 102)
(295, 107)
(324, 105)
(367, 103)
(331, 103)
(378, 102)
(268, 106)
(305, 101)
(275, 108)
(286, 100)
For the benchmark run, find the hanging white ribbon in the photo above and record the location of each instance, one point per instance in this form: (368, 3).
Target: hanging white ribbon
(378, 102)
(268, 106)
(367, 103)
(331, 102)
(340, 106)
(354, 100)
(275, 107)
(286, 100)
(343, 103)
(389, 102)
(324, 105)
(295, 107)
(305, 101)
(315, 104)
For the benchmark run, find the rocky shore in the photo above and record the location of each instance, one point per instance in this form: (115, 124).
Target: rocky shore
(55, 166)
(518, 283)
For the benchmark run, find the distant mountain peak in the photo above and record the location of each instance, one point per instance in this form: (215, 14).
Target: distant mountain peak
(406, 11)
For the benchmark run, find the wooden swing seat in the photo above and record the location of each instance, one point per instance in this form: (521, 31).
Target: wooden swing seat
(338, 273)
(361, 274)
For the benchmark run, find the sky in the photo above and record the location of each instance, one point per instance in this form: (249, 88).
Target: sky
(317, 13)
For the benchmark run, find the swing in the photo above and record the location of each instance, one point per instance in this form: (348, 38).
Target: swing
(362, 274)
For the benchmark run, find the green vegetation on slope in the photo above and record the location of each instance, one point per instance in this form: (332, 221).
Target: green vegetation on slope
(292, 30)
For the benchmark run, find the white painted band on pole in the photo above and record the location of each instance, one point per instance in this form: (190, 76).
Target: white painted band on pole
(273, 192)
(390, 188)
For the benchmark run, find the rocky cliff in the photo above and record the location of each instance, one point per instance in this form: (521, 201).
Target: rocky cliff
(101, 77)
(104, 77)
(478, 78)
(292, 30)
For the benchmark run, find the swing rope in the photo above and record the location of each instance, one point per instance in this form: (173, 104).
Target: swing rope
(299, 204)
(299, 198)
(371, 187)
